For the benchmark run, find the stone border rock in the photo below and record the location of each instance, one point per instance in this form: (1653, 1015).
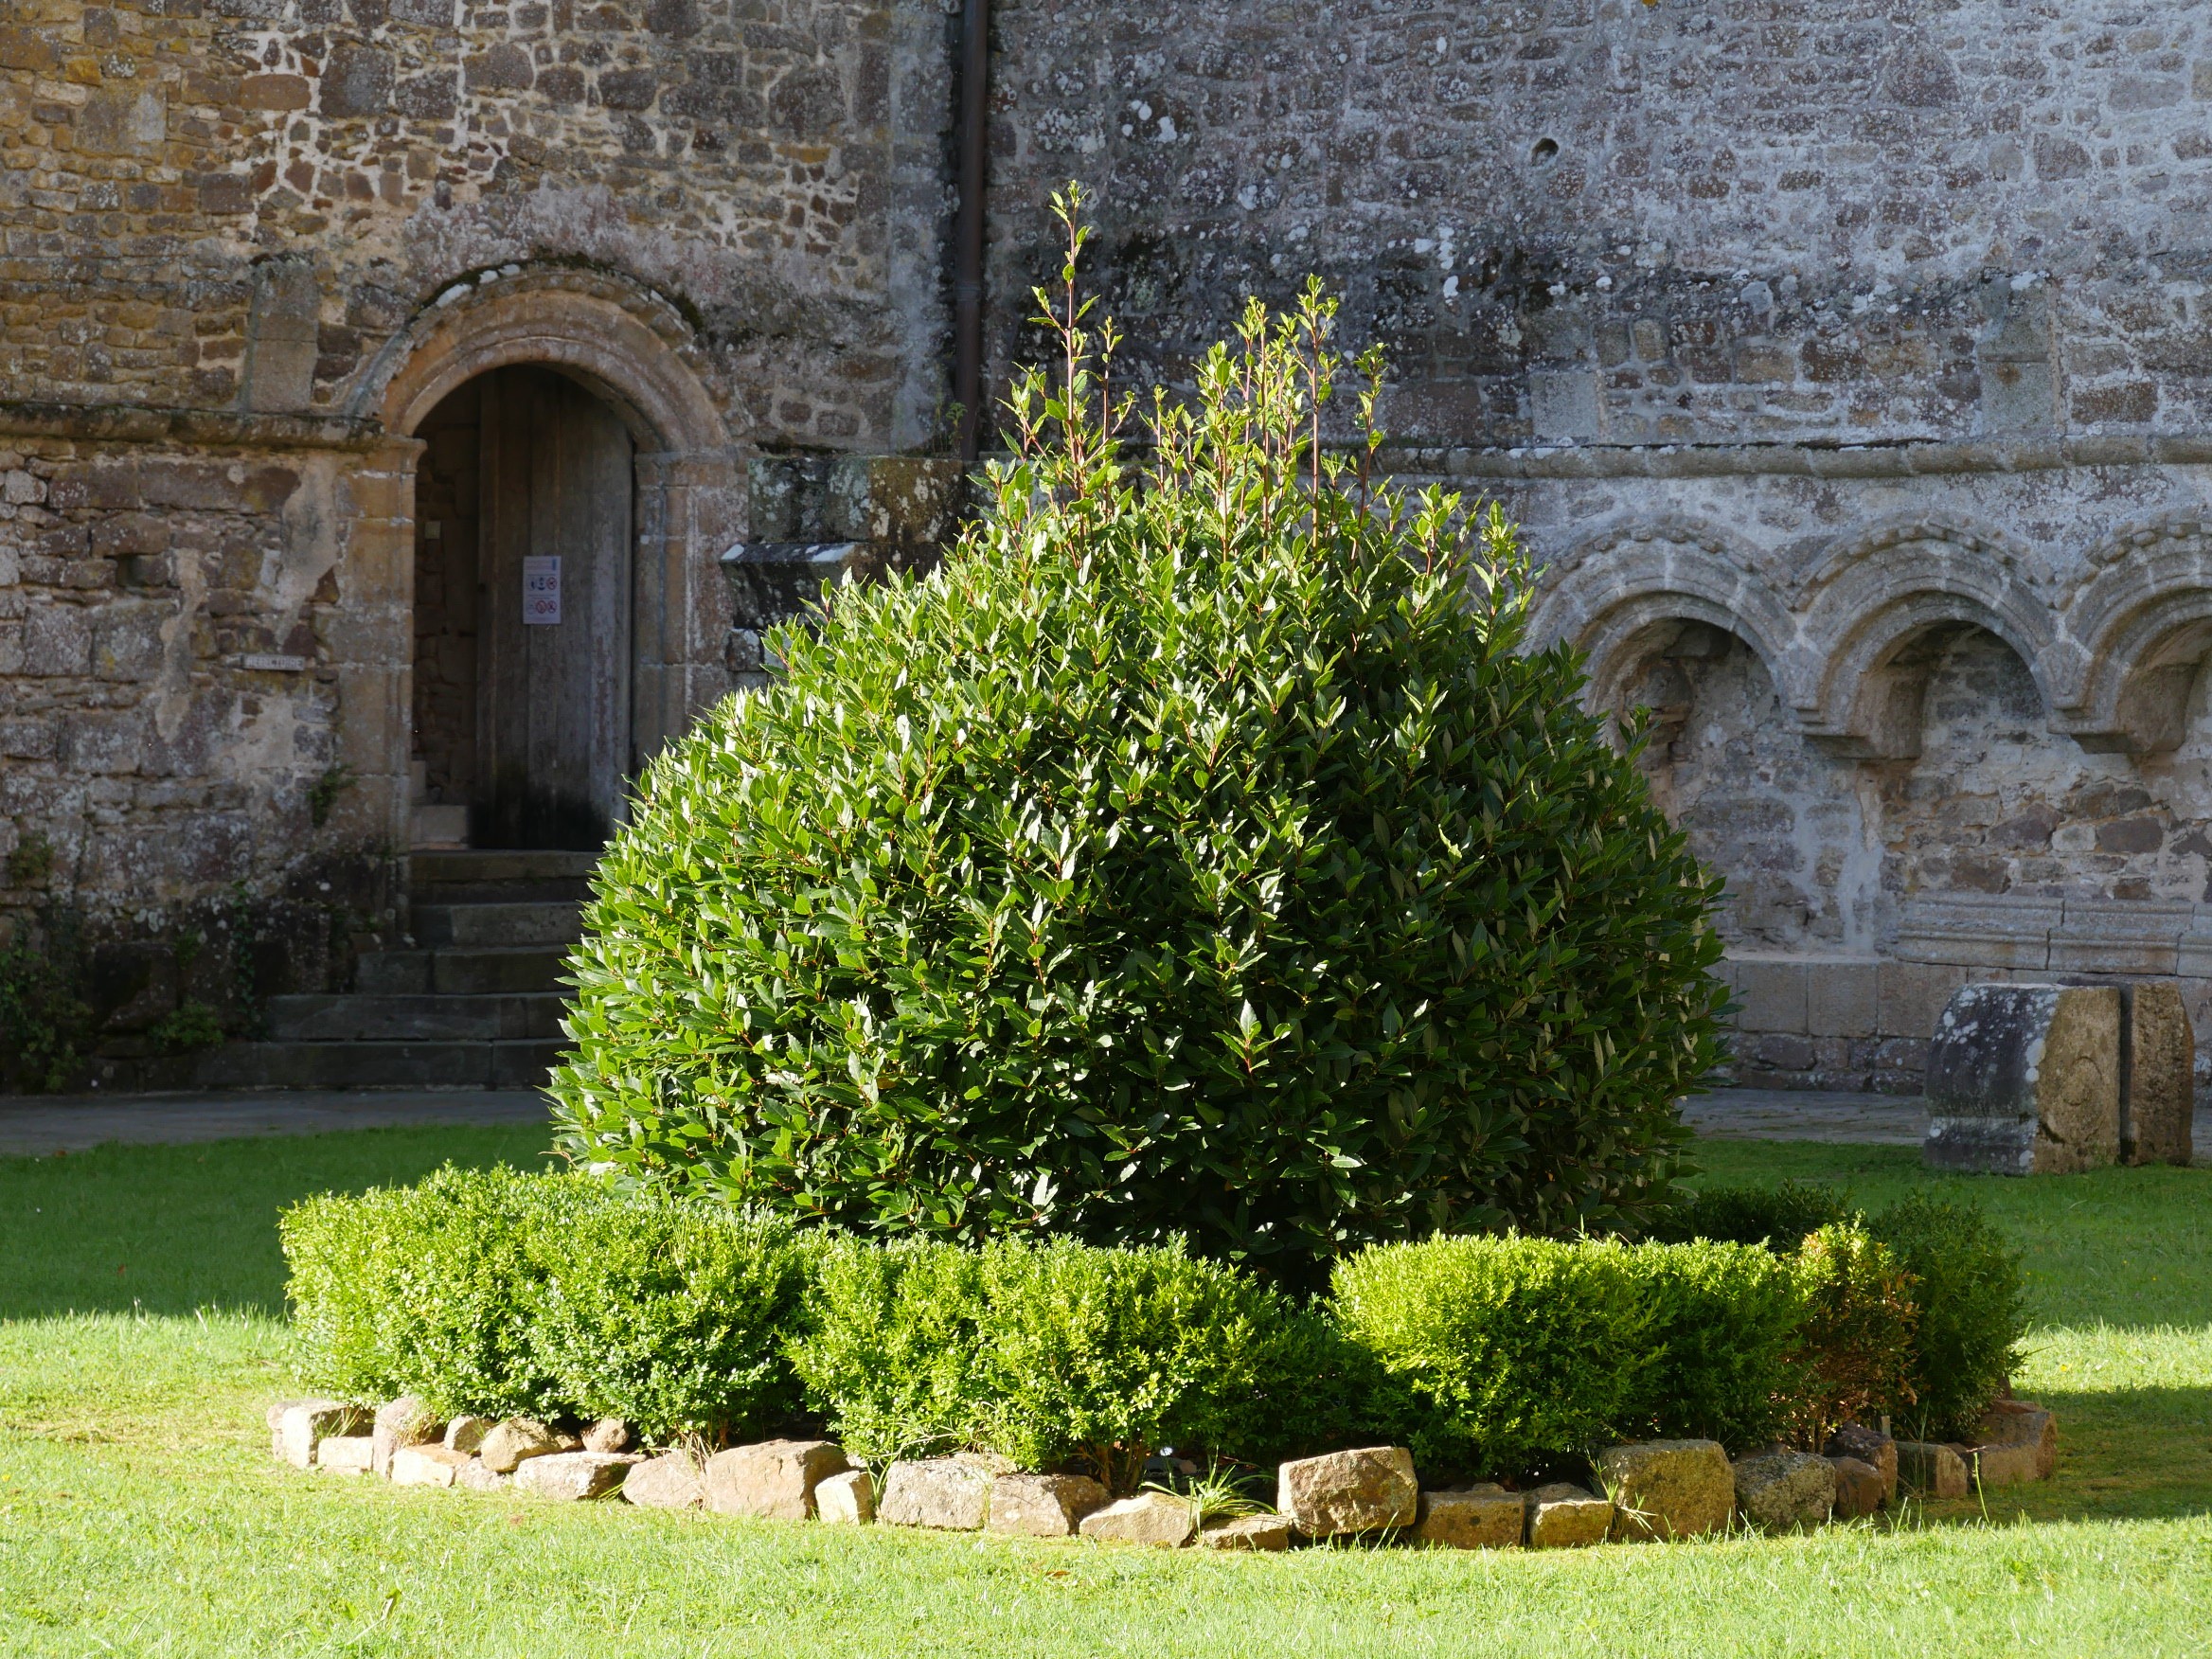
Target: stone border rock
(1654, 1490)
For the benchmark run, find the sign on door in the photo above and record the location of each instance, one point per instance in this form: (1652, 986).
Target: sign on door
(541, 588)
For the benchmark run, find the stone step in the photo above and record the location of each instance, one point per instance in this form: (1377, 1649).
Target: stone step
(378, 1065)
(460, 973)
(432, 825)
(414, 1019)
(479, 866)
(535, 922)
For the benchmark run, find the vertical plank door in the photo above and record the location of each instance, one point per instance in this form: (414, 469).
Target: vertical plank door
(554, 698)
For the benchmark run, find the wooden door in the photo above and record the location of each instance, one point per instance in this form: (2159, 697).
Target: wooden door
(553, 711)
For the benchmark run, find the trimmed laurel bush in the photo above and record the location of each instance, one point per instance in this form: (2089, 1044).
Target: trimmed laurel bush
(1046, 1353)
(548, 1295)
(1202, 850)
(1973, 1312)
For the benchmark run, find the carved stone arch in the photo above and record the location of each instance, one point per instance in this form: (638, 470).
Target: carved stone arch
(626, 343)
(1608, 594)
(1865, 602)
(1917, 542)
(634, 349)
(2139, 627)
(1873, 680)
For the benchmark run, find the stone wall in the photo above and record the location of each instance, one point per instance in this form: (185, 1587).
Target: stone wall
(246, 246)
(1697, 222)
(1846, 368)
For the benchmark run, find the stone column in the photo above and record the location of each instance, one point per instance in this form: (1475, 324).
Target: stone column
(376, 583)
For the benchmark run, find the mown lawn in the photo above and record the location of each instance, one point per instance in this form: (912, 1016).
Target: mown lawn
(140, 1336)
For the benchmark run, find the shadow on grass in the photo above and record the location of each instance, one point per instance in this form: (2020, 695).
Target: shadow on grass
(173, 1229)
(2123, 1453)
(2127, 1247)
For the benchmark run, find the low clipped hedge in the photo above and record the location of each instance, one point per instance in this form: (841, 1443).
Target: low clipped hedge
(1042, 1352)
(1971, 1311)
(561, 1296)
(1503, 1355)
(1946, 1292)
(548, 1296)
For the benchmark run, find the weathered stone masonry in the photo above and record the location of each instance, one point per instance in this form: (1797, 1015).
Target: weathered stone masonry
(246, 246)
(1847, 369)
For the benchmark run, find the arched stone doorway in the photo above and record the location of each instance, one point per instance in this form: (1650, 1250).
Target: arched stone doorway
(577, 397)
(524, 523)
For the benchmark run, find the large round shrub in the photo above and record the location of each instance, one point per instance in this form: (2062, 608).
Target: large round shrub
(1201, 849)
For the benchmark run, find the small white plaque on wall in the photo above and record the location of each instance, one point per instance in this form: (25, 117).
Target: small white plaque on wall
(541, 588)
(257, 662)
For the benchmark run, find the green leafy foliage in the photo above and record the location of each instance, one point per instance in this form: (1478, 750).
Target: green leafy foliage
(45, 1023)
(1855, 1338)
(1502, 1354)
(888, 1347)
(1973, 1312)
(191, 1026)
(497, 1292)
(1201, 851)
(1725, 1321)
(1779, 1217)
(1049, 1353)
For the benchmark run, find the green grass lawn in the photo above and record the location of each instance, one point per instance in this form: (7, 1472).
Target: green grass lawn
(141, 1335)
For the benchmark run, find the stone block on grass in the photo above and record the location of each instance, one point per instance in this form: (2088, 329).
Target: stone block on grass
(2025, 1079)
(1362, 1490)
(404, 1422)
(1869, 1446)
(1563, 1516)
(508, 1443)
(1248, 1532)
(1044, 1505)
(476, 1478)
(1159, 1519)
(466, 1434)
(607, 1434)
(1485, 1516)
(299, 1426)
(1784, 1491)
(345, 1453)
(844, 1500)
(1999, 1466)
(774, 1479)
(1930, 1470)
(2015, 1423)
(2158, 1105)
(428, 1464)
(671, 1481)
(572, 1476)
(1858, 1489)
(1668, 1489)
(950, 1494)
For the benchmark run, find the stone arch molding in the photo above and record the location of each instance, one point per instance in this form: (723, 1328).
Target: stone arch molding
(626, 343)
(2138, 631)
(1607, 594)
(1838, 639)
